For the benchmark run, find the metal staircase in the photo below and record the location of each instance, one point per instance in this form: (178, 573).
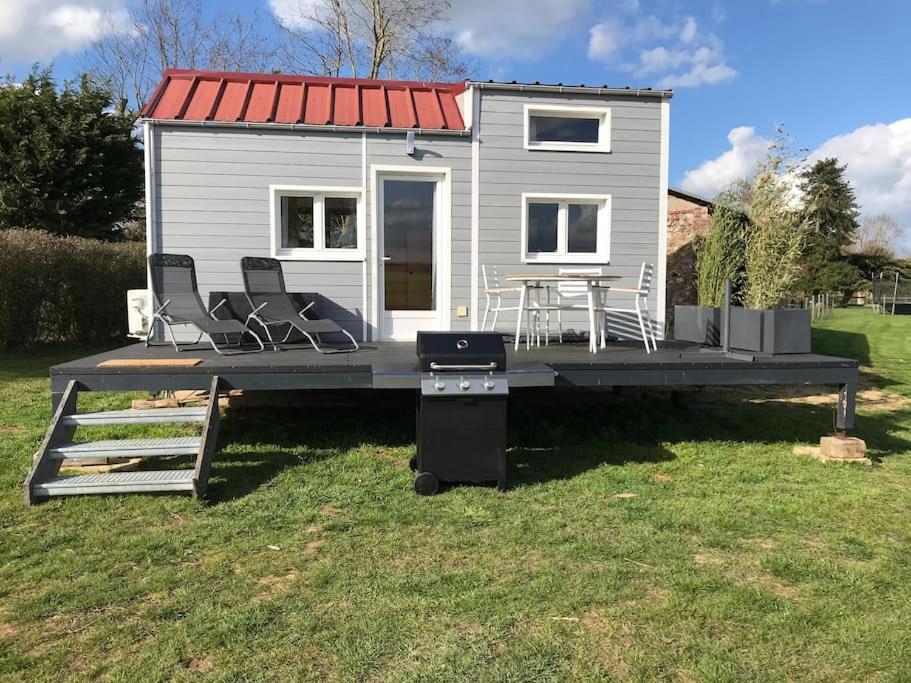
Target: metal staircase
(44, 480)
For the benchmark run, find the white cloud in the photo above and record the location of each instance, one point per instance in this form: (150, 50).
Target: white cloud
(513, 28)
(700, 73)
(603, 41)
(719, 14)
(678, 54)
(878, 160)
(42, 29)
(487, 28)
(297, 13)
(688, 33)
(714, 175)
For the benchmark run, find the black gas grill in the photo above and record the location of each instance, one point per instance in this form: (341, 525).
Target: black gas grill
(461, 417)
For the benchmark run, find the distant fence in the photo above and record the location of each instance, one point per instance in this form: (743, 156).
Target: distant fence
(819, 305)
(891, 294)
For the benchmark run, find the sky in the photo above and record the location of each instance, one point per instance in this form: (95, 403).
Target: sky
(834, 73)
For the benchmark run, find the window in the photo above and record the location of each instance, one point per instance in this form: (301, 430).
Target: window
(312, 223)
(567, 128)
(565, 228)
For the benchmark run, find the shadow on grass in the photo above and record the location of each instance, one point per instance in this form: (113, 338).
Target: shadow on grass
(553, 435)
(841, 343)
(243, 473)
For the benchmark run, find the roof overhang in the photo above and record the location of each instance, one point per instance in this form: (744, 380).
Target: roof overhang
(373, 130)
(559, 88)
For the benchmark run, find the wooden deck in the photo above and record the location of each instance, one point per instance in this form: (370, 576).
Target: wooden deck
(392, 365)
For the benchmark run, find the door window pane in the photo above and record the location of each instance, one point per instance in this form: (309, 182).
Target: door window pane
(297, 222)
(341, 222)
(408, 265)
(542, 227)
(582, 229)
(562, 129)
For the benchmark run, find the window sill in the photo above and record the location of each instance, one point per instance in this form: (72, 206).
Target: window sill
(567, 147)
(347, 255)
(567, 259)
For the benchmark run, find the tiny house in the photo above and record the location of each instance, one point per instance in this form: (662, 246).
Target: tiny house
(388, 197)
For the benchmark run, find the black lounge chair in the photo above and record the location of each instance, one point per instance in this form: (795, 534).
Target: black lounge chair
(174, 285)
(264, 285)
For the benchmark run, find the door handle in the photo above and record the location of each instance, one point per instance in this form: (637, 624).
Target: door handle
(387, 258)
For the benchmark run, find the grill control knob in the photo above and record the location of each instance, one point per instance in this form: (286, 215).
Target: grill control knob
(439, 385)
(489, 384)
(464, 385)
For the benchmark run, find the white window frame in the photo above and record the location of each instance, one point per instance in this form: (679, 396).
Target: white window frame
(318, 252)
(600, 257)
(569, 112)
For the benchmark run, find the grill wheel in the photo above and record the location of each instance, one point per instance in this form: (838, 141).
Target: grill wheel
(426, 484)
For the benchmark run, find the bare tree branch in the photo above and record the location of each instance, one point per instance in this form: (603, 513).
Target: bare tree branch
(372, 38)
(165, 34)
(879, 235)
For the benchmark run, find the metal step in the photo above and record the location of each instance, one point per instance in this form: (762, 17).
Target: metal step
(127, 448)
(134, 417)
(117, 482)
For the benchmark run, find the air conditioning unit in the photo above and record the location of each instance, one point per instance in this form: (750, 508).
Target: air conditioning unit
(139, 313)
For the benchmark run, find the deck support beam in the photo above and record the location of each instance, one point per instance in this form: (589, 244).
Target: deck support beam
(847, 402)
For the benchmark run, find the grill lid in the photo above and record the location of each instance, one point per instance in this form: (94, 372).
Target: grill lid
(461, 349)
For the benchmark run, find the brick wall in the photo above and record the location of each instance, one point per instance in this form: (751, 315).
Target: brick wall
(685, 220)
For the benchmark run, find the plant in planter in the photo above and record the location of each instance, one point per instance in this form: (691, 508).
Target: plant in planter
(759, 251)
(773, 252)
(720, 258)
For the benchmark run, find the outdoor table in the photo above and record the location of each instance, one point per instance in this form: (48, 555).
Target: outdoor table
(538, 280)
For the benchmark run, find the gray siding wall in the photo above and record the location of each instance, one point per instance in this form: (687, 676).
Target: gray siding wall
(212, 202)
(211, 194)
(629, 173)
(443, 152)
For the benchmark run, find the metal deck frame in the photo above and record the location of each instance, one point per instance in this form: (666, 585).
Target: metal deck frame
(391, 365)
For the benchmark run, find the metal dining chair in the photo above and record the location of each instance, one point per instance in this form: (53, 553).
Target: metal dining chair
(640, 307)
(494, 290)
(567, 291)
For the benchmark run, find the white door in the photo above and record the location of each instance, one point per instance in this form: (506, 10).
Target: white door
(409, 253)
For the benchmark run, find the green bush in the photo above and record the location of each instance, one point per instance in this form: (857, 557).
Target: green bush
(721, 256)
(65, 289)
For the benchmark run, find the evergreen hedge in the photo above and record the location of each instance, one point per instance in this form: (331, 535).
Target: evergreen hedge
(65, 289)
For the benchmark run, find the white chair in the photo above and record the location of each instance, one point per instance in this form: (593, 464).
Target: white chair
(640, 307)
(494, 290)
(567, 291)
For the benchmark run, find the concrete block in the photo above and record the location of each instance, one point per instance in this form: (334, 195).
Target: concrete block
(842, 448)
(835, 449)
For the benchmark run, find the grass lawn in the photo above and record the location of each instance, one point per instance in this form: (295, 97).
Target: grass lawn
(726, 557)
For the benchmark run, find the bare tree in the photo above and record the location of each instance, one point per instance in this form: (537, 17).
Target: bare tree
(879, 235)
(371, 39)
(163, 34)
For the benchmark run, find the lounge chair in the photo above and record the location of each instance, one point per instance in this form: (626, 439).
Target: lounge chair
(264, 284)
(174, 285)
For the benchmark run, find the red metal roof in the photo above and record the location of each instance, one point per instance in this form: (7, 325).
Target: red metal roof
(275, 98)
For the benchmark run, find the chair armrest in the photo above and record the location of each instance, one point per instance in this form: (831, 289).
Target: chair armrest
(500, 290)
(216, 307)
(160, 311)
(624, 289)
(305, 309)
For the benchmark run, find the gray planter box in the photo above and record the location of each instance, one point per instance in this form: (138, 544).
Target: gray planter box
(697, 324)
(787, 330)
(760, 331)
(770, 331)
